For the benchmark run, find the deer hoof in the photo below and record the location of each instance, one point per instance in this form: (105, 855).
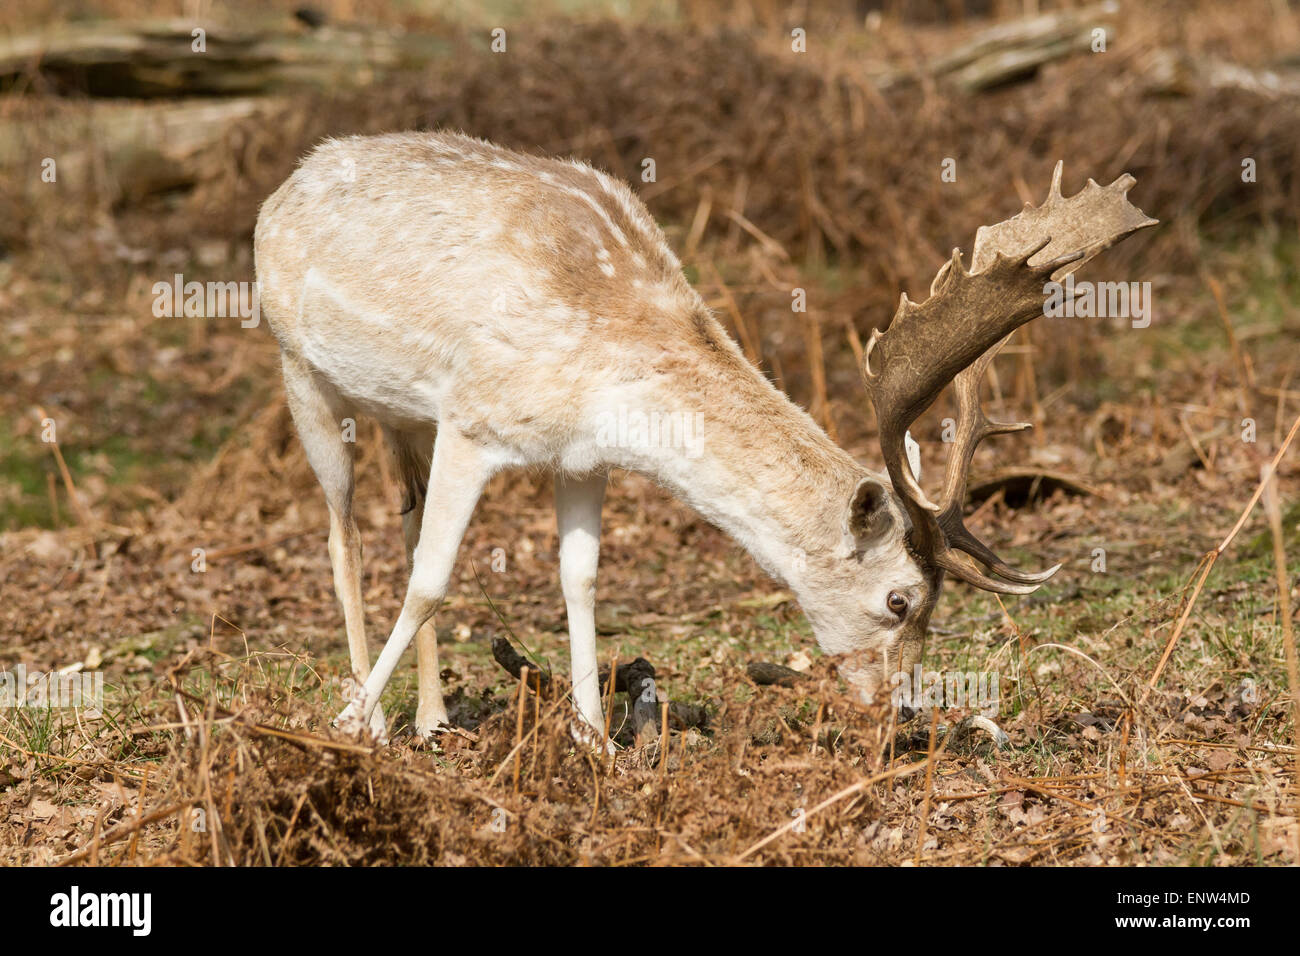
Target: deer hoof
(350, 722)
(585, 735)
(427, 726)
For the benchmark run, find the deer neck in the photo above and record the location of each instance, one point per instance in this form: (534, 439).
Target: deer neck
(751, 462)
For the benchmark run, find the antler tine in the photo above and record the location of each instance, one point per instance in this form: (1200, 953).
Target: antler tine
(948, 560)
(973, 426)
(952, 337)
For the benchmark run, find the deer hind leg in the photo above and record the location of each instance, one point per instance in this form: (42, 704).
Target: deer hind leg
(413, 463)
(577, 510)
(318, 412)
(456, 479)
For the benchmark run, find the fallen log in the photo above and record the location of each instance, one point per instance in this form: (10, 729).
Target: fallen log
(1170, 72)
(144, 148)
(1016, 50)
(171, 58)
(183, 58)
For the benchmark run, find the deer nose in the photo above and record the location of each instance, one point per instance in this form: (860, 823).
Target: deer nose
(905, 712)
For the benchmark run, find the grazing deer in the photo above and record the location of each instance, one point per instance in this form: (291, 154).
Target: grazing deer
(494, 310)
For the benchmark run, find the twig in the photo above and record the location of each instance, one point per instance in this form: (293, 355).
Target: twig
(1238, 357)
(1257, 807)
(125, 829)
(820, 407)
(930, 758)
(293, 818)
(663, 740)
(1274, 512)
(1091, 808)
(84, 517)
(698, 223)
(139, 809)
(52, 489)
(505, 762)
(519, 720)
(767, 242)
(1218, 746)
(848, 791)
(609, 698)
(1207, 563)
(752, 346)
(300, 740)
(255, 546)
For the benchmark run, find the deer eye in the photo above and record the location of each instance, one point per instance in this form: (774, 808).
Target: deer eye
(897, 604)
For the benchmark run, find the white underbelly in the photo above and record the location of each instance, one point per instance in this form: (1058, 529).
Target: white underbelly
(377, 361)
(381, 384)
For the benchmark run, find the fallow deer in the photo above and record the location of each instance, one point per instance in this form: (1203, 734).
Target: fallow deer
(492, 309)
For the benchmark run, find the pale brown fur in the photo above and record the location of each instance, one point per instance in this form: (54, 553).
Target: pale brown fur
(513, 303)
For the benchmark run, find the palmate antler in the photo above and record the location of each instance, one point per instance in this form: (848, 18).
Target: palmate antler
(954, 334)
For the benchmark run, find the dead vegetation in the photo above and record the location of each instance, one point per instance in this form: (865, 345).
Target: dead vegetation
(773, 172)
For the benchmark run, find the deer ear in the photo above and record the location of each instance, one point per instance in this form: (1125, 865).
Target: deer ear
(869, 517)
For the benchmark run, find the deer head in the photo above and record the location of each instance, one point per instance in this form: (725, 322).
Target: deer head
(952, 337)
